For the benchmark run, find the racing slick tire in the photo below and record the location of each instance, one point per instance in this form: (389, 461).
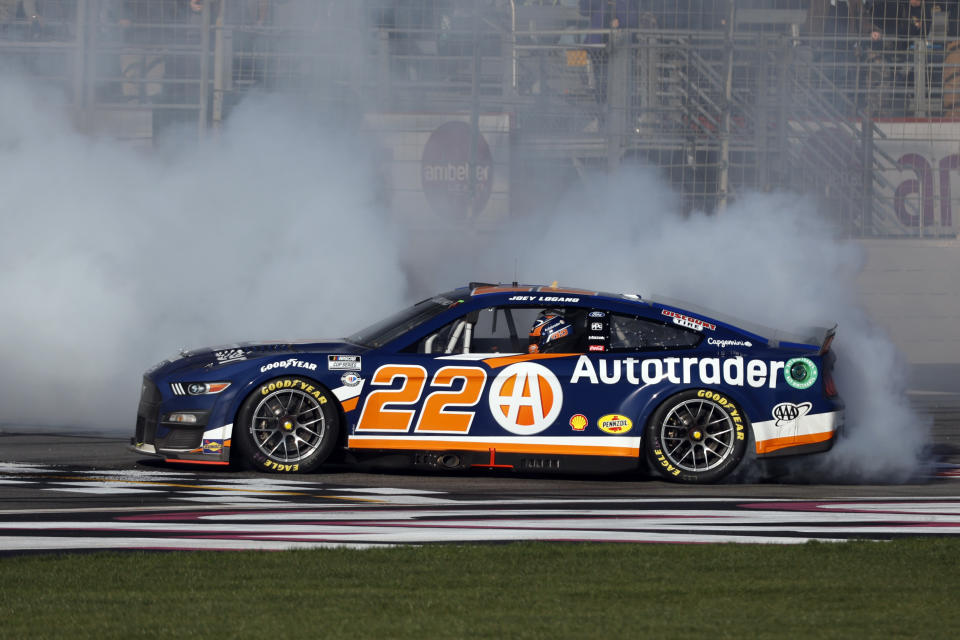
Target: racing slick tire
(696, 436)
(287, 425)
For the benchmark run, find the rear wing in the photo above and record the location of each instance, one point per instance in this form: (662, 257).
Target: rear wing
(815, 338)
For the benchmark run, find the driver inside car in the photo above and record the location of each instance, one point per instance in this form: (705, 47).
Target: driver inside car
(551, 333)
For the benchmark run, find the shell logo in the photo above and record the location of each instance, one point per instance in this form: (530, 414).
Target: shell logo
(578, 422)
(525, 398)
(615, 424)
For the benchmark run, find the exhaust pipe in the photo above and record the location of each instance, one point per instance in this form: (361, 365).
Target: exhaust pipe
(449, 461)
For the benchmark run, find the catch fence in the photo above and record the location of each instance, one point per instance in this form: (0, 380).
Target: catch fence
(490, 107)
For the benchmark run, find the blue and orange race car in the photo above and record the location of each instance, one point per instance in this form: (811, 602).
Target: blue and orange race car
(529, 378)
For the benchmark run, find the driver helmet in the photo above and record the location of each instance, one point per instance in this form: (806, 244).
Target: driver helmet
(550, 332)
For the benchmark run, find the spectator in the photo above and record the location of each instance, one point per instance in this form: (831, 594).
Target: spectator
(884, 19)
(895, 24)
(11, 11)
(606, 14)
(146, 28)
(903, 19)
(916, 14)
(249, 20)
(838, 21)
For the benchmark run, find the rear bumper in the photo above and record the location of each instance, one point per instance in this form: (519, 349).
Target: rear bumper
(812, 433)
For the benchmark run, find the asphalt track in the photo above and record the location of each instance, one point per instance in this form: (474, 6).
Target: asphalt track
(83, 492)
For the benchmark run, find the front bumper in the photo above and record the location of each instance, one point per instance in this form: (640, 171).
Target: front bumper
(191, 443)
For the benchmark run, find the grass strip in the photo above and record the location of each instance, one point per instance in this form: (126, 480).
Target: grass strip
(906, 588)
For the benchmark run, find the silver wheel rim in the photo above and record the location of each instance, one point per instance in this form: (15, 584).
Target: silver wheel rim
(288, 425)
(697, 435)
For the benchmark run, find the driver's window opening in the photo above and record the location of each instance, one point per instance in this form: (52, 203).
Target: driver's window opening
(501, 330)
(510, 330)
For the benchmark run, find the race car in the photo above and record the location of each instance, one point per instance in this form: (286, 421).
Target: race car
(514, 377)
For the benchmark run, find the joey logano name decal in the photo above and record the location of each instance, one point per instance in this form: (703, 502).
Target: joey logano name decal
(735, 372)
(542, 299)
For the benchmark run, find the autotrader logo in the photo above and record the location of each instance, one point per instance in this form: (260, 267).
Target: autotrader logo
(525, 398)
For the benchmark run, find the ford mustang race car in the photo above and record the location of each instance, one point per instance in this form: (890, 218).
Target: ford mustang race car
(529, 378)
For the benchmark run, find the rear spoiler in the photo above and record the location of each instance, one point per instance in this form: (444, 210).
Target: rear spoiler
(827, 340)
(819, 338)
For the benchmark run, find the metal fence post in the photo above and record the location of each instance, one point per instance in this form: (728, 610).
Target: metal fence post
(474, 110)
(222, 67)
(866, 223)
(204, 70)
(618, 95)
(723, 187)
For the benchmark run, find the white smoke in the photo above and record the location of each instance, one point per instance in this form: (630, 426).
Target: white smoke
(770, 259)
(112, 258)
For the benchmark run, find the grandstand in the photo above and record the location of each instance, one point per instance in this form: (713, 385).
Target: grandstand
(471, 96)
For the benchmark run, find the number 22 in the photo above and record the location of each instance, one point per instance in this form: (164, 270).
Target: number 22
(435, 417)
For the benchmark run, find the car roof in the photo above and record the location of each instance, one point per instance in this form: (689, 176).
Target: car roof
(484, 289)
(806, 337)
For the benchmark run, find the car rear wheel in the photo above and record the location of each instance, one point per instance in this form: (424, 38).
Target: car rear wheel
(696, 436)
(288, 425)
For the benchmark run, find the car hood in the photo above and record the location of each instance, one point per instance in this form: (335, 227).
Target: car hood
(211, 358)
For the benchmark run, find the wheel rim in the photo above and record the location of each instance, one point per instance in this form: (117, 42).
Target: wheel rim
(697, 435)
(288, 425)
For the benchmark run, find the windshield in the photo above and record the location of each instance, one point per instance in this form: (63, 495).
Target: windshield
(380, 333)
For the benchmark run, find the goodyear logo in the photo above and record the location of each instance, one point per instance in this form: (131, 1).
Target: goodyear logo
(615, 423)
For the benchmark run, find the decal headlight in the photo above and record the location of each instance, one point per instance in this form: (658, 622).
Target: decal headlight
(182, 417)
(206, 388)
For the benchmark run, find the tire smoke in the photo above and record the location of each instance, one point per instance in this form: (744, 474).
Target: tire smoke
(770, 259)
(111, 258)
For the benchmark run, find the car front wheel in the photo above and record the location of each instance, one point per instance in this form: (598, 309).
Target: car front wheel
(287, 425)
(696, 436)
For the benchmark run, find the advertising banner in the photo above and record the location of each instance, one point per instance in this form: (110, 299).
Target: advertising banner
(439, 173)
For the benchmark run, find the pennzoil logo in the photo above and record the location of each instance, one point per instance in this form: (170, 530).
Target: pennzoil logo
(525, 398)
(615, 424)
(578, 422)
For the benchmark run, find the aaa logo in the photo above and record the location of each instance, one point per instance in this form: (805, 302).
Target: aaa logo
(525, 398)
(788, 412)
